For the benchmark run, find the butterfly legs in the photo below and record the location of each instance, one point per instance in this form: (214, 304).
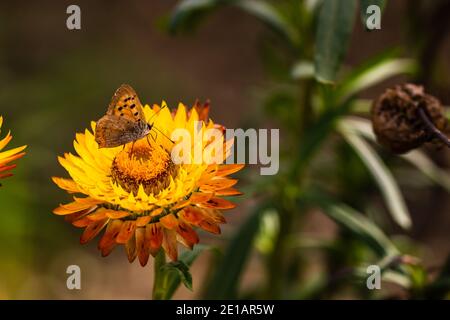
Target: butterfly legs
(153, 138)
(130, 154)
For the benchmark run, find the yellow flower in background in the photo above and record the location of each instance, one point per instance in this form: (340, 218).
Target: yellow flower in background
(6, 157)
(139, 196)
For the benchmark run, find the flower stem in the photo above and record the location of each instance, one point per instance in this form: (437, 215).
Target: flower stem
(435, 131)
(160, 260)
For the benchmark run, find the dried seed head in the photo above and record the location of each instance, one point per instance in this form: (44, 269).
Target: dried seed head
(396, 121)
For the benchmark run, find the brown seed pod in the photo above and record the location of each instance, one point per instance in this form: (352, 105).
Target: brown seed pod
(398, 118)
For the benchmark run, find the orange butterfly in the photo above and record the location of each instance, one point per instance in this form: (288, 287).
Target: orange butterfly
(124, 121)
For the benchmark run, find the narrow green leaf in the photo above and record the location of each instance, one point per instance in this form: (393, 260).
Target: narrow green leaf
(422, 162)
(416, 157)
(361, 227)
(225, 280)
(374, 73)
(335, 25)
(268, 15)
(187, 11)
(381, 174)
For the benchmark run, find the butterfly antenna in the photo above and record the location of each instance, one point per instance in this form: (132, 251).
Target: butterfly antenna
(165, 106)
(163, 134)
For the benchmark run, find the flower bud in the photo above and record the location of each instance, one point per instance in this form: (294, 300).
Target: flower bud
(396, 120)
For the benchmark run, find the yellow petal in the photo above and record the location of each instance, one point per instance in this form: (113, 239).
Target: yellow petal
(66, 184)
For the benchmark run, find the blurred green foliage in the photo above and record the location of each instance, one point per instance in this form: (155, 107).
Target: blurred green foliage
(312, 97)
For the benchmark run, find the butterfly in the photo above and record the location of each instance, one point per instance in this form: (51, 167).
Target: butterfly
(124, 121)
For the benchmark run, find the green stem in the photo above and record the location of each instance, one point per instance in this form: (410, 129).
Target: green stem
(276, 264)
(279, 259)
(158, 286)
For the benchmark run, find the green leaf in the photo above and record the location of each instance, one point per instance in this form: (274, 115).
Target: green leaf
(169, 276)
(268, 15)
(364, 4)
(187, 12)
(416, 157)
(225, 280)
(183, 271)
(361, 227)
(375, 71)
(381, 174)
(335, 25)
(422, 162)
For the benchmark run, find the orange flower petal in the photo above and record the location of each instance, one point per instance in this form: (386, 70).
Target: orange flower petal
(6, 168)
(181, 204)
(100, 214)
(92, 230)
(169, 244)
(130, 248)
(226, 169)
(217, 184)
(5, 175)
(156, 212)
(188, 234)
(202, 110)
(217, 203)
(108, 241)
(142, 221)
(197, 197)
(72, 207)
(228, 192)
(87, 201)
(127, 230)
(11, 158)
(192, 215)
(77, 215)
(153, 237)
(209, 226)
(82, 223)
(214, 216)
(169, 221)
(113, 214)
(142, 249)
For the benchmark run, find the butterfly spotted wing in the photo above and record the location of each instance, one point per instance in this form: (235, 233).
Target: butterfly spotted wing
(124, 121)
(125, 103)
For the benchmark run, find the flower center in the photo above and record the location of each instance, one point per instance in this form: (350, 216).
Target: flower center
(143, 163)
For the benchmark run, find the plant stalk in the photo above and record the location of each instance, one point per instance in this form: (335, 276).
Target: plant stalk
(435, 131)
(158, 287)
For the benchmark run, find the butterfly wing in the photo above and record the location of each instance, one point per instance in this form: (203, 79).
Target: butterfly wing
(126, 104)
(113, 131)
